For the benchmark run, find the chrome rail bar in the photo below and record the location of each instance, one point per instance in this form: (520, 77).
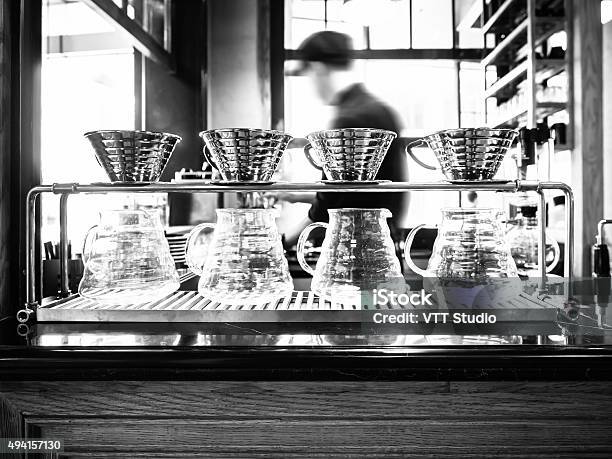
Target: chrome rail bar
(63, 247)
(66, 189)
(181, 187)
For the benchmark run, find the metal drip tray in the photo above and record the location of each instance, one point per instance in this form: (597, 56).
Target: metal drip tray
(301, 306)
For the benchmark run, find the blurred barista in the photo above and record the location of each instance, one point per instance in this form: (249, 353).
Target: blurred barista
(326, 61)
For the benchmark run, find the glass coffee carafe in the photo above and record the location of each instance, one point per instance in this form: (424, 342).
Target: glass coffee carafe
(470, 257)
(524, 239)
(471, 245)
(127, 259)
(357, 257)
(244, 263)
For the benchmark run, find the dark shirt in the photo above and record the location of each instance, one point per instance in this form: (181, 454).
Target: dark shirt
(357, 108)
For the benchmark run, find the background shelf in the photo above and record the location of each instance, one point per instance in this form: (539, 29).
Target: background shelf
(526, 60)
(518, 118)
(514, 46)
(511, 12)
(506, 86)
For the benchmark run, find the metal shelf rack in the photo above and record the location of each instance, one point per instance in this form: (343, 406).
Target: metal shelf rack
(517, 61)
(65, 190)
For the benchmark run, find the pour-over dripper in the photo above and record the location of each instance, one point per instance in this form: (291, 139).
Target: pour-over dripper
(471, 154)
(352, 154)
(245, 155)
(132, 156)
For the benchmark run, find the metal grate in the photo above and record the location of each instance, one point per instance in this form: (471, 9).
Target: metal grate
(301, 306)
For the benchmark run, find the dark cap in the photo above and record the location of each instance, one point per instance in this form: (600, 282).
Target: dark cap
(327, 46)
(529, 211)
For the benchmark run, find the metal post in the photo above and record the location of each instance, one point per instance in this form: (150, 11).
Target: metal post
(568, 265)
(542, 241)
(64, 279)
(531, 65)
(23, 315)
(29, 246)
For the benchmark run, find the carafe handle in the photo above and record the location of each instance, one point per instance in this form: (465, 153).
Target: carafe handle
(208, 158)
(302, 242)
(312, 159)
(90, 237)
(193, 234)
(409, 152)
(556, 254)
(408, 246)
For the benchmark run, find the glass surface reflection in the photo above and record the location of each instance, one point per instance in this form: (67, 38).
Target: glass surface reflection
(103, 339)
(270, 336)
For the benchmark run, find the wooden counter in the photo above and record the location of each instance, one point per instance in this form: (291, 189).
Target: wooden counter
(241, 396)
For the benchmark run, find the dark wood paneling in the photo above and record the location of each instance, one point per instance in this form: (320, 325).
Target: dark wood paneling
(11, 423)
(374, 436)
(312, 399)
(312, 419)
(20, 58)
(6, 61)
(26, 165)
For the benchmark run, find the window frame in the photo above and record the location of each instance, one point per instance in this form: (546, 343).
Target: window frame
(142, 40)
(280, 54)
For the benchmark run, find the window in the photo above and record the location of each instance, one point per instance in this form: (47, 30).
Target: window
(88, 83)
(432, 24)
(428, 94)
(374, 24)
